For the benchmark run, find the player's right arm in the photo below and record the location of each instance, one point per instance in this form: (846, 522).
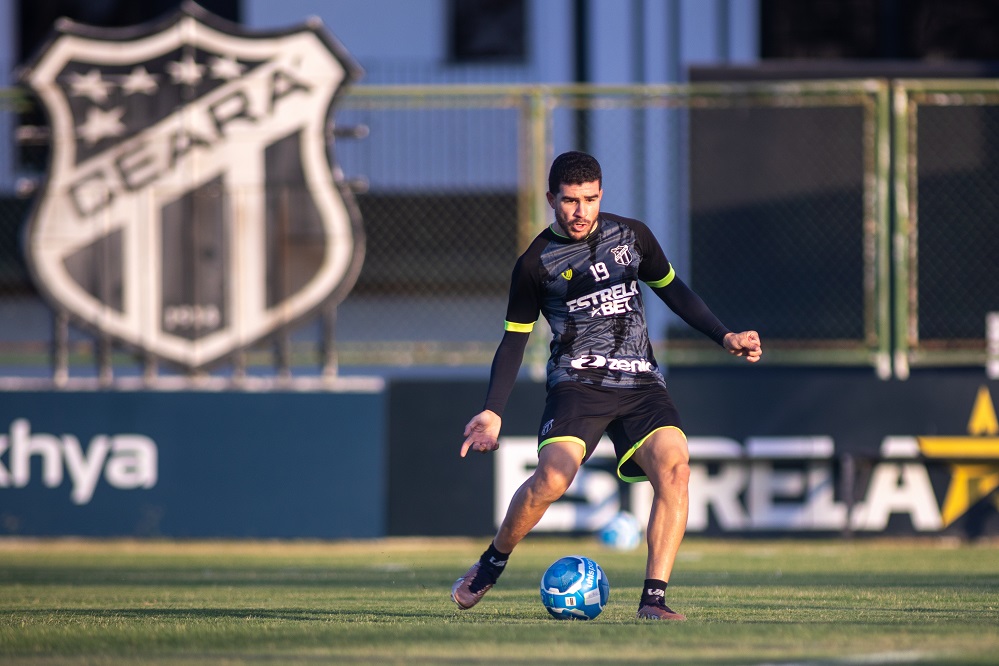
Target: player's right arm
(523, 310)
(482, 432)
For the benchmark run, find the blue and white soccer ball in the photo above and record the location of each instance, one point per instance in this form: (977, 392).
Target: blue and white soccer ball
(623, 532)
(574, 588)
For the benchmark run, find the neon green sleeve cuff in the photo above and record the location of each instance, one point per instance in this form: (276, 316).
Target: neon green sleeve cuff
(665, 281)
(518, 328)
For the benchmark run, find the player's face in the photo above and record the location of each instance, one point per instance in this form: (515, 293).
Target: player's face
(576, 208)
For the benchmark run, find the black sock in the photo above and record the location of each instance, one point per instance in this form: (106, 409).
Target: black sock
(491, 565)
(654, 592)
(494, 560)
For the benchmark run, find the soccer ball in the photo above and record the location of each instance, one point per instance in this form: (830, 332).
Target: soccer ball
(623, 532)
(574, 588)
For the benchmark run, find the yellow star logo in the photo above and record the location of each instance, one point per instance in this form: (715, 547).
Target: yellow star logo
(969, 481)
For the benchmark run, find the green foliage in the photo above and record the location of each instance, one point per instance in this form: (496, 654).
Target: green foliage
(386, 601)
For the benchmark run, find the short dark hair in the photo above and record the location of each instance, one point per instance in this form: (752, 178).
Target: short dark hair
(574, 168)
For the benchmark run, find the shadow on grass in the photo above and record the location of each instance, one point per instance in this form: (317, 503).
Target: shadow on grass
(217, 613)
(412, 620)
(523, 577)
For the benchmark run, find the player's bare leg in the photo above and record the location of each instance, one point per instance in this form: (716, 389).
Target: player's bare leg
(665, 460)
(558, 463)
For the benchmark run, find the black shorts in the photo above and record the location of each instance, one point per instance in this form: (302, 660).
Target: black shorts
(582, 413)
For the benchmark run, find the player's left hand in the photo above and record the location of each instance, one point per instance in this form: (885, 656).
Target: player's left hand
(746, 344)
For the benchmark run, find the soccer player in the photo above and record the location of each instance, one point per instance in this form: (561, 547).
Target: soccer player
(582, 273)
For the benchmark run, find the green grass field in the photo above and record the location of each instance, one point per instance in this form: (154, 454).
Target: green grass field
(749, 602)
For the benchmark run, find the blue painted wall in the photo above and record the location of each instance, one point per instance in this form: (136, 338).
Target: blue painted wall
(192, 464)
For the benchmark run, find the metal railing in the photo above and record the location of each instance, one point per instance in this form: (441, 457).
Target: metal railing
(773, 200)
(946, 226)
(648, 139)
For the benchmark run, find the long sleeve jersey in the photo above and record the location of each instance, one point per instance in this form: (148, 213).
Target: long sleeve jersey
(588, 291)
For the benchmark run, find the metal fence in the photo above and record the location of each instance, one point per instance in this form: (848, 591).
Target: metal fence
(946, 220)
(770, 199)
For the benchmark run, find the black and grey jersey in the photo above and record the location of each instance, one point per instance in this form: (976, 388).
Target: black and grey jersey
(588, 291)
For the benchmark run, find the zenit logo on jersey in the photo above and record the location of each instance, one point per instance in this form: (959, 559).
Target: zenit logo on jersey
(610, 301)
(593, 361)
(190, 207)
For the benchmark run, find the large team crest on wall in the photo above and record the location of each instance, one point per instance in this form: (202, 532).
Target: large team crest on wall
(190, 207)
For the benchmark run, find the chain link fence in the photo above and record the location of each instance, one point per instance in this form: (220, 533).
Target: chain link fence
(769, 199)
(947, 183)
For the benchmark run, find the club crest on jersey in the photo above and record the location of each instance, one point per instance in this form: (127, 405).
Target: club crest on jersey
(190, 207)
(622, 254)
